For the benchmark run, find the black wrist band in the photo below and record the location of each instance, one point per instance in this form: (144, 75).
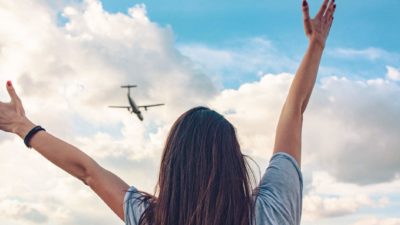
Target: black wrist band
(31, 133)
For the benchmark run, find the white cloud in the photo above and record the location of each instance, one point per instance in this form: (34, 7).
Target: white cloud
(371, 53)
(348, 126)
(376, 221)
(326, 197)
(324, 184)
(316, 207)
(96, 51)
(353, 128)
(239, 61)
(393, 73)
(22, 211)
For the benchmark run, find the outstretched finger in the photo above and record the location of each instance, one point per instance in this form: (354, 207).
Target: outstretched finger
(12, 93)
(330, 22)
(331, 10)
(323, 8)
(307, 19)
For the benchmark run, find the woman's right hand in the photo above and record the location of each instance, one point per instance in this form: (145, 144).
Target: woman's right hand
(12, 114)
(317, 29)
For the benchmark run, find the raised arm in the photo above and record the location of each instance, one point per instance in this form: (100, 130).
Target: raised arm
(288, 132)
(110, 188)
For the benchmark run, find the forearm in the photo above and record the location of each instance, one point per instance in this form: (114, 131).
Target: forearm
(288, 133)
(109, 187)
(62, 154)
(304, 80)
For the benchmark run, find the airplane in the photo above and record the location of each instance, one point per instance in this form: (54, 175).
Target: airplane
(133, 108)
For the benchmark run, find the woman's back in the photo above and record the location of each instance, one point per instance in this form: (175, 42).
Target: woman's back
(277, 200)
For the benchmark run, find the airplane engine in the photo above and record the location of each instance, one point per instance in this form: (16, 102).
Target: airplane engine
(140, 116)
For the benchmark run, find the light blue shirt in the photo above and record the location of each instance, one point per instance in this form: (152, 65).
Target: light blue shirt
(279, 200)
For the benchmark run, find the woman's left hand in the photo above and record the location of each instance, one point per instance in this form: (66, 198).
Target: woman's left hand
(12, 114)
(317, 29)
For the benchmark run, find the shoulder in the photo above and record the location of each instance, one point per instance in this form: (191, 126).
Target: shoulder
(279, 198)
(135, 204)
(282, 169)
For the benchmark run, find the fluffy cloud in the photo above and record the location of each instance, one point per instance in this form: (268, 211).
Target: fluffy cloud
(82, 64)
(359, 129)
(319, 207)
(22, 211)
(376, 221)
(326, 197)
(351, 126)
(393, 73)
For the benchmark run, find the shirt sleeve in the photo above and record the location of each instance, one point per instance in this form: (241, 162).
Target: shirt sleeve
(133, 206)
(279, 199)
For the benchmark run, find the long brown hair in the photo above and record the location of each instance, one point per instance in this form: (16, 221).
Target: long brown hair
(204, 178)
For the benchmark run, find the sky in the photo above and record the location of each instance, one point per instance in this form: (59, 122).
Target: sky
(67, 59)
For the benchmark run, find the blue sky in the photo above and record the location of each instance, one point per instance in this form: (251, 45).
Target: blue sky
(359, 25)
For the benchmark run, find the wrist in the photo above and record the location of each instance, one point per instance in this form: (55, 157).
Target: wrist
(317, 45)
(23, 127)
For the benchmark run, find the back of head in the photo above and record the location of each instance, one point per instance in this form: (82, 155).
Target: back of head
(203, 177)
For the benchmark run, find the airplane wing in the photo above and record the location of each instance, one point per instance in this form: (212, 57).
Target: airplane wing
(148, 106)
(122, 107)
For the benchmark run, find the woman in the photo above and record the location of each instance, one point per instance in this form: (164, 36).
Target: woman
(204, 178)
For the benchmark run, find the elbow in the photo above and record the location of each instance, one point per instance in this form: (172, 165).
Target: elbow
(303, 109)
(304, 103)
(297, 103)
(86, 180)
(89, 172)
(303, 106)
(85, 177)
(295, 108)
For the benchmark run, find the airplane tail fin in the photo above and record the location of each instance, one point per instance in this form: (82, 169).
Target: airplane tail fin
(128, 86)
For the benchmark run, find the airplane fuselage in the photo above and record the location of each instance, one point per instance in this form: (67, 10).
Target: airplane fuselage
(134, 107)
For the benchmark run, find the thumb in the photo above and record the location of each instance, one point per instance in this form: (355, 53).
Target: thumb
(12, 93)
